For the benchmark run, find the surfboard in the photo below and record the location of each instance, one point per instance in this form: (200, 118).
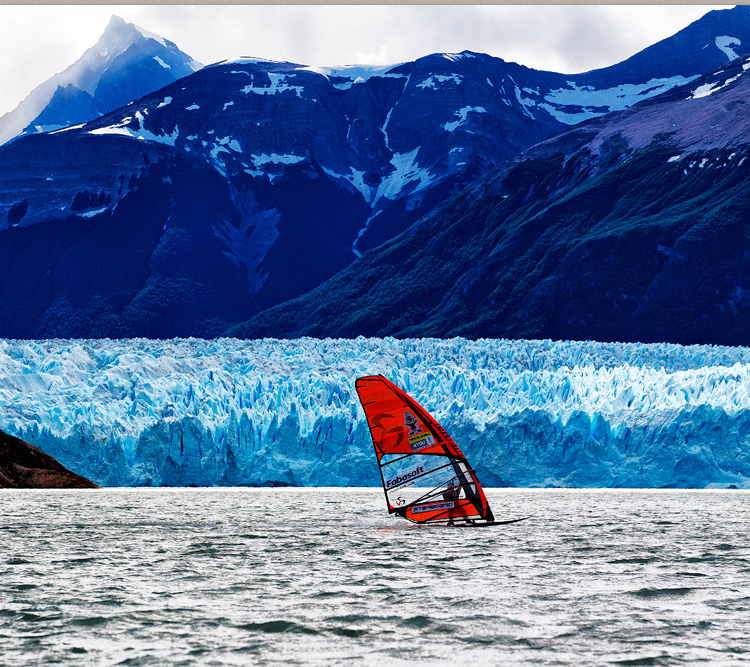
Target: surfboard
(426, 478)
(484, 524)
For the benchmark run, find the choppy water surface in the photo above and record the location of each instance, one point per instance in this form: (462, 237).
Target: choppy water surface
(323, 577)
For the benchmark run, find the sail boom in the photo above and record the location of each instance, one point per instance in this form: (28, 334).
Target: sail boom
(419, 475)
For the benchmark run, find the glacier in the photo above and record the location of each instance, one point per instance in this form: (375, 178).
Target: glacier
(273, 412)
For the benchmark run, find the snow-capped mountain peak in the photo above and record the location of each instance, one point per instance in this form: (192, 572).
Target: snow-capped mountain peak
(126, 63)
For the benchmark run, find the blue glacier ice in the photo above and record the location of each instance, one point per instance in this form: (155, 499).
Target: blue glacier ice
(526, 413)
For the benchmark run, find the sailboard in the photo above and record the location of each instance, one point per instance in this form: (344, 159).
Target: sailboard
(426, 477)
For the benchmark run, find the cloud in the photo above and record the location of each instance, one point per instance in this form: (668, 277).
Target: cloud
(557, 37)
(38, 41)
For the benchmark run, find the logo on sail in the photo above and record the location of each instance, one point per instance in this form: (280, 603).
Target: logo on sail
(403, 477)
(421, 441)
(412, 423)
(418, 439)
(432, 507)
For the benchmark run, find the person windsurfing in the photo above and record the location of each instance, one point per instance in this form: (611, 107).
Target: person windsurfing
(426, 477)
(451, 494)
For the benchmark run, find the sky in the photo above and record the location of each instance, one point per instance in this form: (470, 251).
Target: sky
(37, 41)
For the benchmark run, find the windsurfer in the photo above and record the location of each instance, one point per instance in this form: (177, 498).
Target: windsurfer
(451, 494)
(401, 428)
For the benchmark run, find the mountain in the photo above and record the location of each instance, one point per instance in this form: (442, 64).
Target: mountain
(127, 63)
(236, 188)
(629, 227)
(706, 44)
(250, 183)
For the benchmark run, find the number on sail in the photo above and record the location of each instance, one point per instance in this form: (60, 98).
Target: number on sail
(425, 476)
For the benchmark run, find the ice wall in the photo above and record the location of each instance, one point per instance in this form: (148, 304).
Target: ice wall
(526, 413)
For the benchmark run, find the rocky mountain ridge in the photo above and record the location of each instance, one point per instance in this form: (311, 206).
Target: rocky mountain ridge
(250, 183)
(629, 227)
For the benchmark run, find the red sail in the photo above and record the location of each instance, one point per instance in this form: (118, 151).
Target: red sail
(425, 475)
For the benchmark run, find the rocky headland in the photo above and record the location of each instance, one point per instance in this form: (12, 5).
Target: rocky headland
(23, 466)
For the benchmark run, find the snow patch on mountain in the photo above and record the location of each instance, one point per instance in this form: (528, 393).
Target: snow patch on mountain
(245, 60)
(384, 129)
(526, 102)
(223, 145)
(46, 128)
(435, 81)
(275, 158)
(576, 103)
(725, 43)
(356, 178)
(362, 231)
(119, 128)
(162, 63)
(67, 129)
(707, 89)
(91, 214)
(355, 74)
(151, 35)
(216, 149)
(278, 85)
(124, 128)
(462, 116)
(406, 170)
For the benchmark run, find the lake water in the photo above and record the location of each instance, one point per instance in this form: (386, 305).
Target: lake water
(325, 577)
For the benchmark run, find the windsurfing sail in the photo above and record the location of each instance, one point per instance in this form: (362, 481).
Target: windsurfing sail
(426, 477)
